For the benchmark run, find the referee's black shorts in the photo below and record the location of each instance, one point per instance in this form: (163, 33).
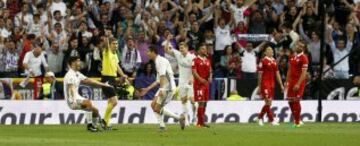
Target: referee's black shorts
(109, 91)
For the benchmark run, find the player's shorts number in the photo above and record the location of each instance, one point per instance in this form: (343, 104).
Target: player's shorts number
(200, 92)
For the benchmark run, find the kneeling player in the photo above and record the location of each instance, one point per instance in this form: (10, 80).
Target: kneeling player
(72, 80)
(268, 70)
(166, 91)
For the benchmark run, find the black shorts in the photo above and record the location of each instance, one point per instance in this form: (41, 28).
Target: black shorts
(108, 91)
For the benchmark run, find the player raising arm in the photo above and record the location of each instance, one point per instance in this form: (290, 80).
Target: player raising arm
(184, 59)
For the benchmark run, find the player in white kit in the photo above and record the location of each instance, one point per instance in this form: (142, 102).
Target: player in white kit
(75, 101)
(186, 91)
(165, 78)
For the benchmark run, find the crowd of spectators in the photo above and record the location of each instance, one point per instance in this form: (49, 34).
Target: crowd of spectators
(37, 36)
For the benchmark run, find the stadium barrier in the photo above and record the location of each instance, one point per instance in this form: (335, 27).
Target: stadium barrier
(139, 112)
(220, 90)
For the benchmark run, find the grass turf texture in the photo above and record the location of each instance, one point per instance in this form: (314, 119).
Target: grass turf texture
(317, 134)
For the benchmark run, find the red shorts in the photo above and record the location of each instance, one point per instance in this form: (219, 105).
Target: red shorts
(296, 95)
(267, 93)
(201, 93)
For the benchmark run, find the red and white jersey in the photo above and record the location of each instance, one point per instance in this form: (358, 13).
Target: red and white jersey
(203, 68)
(268, 67)
(297, 63)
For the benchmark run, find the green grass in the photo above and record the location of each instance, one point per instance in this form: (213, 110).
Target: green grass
(324, 134)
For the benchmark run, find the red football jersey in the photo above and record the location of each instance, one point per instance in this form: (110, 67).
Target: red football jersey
(268, 67)
(202, 67)
(297, 63)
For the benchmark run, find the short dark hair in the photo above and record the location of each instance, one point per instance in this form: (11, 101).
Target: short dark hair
(153, 49)
(73, 59)
(56, 11)
(200, 45)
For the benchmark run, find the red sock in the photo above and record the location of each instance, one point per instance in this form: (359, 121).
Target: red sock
(297, 108)
(263, 111)
(200, 115)
(291, 105)
(270, 114)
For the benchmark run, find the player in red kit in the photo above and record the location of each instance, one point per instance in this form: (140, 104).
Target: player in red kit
(202, 73)
(296, 80)
(268, 71)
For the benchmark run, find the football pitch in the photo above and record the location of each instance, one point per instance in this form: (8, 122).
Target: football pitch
(317, 134)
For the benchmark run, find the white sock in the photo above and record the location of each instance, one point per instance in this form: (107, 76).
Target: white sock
(160, 119)
(185, 109)
(194, 109)
(170, 114)
(88, 116)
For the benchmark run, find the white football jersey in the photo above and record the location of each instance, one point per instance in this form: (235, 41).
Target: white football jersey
(72, 78)
(163, 67)
(185, 64)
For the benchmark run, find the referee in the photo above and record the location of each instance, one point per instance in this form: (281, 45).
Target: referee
(110, 69)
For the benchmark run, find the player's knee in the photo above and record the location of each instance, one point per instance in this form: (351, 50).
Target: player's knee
(184, 100)
(156, 109)
(268, 102)
(113, 101)
(95, 110)
(153, 106)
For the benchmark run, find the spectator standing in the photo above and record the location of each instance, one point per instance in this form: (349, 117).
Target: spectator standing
(249, 59)
(131, 59)
(33, 62)
(55, 58)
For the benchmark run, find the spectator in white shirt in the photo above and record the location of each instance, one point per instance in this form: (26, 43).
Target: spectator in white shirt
(239, 9)
(36, 27)
(222, 34)
(58, 5)
(288, 30)
(341, 70)
(33, 61)
(24, 17)
(249, 58)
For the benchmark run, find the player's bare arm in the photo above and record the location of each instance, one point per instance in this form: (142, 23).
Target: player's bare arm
(72, 91)
(197, 77)
(302, 78)
(210, 76)
(95, 82)
(150, 87)
(259, 82)
(278, 78)
(287, 78)
(162, 82)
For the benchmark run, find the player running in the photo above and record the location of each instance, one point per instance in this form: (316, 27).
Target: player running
(202, 73)
(268, 71)
(296, 81)
(186, 92)
(165, 78)
(72, 80)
